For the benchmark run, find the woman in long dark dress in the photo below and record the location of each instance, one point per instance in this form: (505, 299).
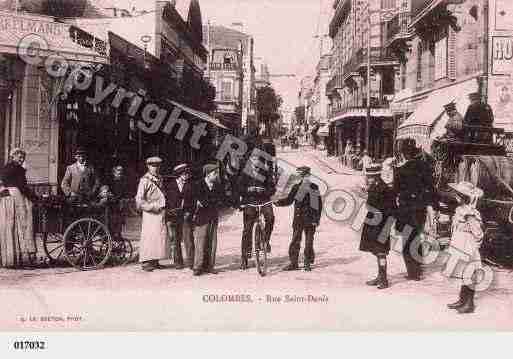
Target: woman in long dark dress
(375, 237)
(17, 243)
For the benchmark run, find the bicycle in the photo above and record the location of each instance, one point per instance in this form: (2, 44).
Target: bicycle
(259, 242)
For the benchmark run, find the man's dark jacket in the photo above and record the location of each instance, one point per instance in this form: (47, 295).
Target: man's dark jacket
(304, 213)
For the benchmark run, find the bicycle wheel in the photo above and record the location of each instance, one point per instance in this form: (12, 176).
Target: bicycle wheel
(260, 250)
(87, 244)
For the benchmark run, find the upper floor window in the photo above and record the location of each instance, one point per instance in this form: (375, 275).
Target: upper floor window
(387, 4)
(226, 91)
(420, 54)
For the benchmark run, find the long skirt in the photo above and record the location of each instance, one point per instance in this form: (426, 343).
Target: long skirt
(16, 229)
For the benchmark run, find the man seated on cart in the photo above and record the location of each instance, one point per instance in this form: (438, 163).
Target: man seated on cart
(81, 182)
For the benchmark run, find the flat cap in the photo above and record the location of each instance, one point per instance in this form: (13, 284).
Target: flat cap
(450, 106)
(154, 161)
(211, 167)
(80, 151)
(303, 170)
(178, 170)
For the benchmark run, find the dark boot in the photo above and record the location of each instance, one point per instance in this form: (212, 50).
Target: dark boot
(460, 301)
(291, 267)
(307, 268)
(382, 273)
(373, 282)
(468, 305)
(178, 257)
(244, 263)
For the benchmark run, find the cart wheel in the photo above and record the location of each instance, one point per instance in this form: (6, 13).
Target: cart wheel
(122, 251)
(87, 244)
(53, 245)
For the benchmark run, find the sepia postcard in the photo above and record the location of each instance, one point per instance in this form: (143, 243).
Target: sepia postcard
(255, 166)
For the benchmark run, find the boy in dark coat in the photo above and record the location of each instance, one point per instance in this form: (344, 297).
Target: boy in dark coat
(306, 218)
(375, 237)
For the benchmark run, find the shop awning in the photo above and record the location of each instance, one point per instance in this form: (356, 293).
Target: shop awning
(201, 115)
(429, 118)
(362, 112)
(43, 37)
(324, 131)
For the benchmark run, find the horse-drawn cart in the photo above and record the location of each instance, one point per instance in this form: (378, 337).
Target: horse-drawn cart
(79, 234)
(486, 165)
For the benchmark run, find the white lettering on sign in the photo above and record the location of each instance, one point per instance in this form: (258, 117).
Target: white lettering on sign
(26, 26)
(502, 54)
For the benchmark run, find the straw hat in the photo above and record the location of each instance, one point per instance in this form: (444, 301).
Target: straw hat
(467, 188)
(154, 161)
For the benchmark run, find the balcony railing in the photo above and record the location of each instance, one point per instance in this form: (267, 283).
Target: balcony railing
(397, 26)
(334, 83)
(87, 40)
(375, 104)
(359, 59)
(217, 66)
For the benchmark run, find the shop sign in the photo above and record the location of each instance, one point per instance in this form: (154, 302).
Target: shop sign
(502, 55)
(500, 98)
(25, 25)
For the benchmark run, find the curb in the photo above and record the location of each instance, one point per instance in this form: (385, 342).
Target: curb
(337, 171)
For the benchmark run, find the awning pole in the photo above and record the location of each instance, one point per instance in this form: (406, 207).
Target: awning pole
(368, 118)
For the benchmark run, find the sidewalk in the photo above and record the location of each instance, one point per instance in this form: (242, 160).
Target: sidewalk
(334, 163)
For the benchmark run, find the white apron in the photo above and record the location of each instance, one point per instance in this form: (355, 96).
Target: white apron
(154, 244)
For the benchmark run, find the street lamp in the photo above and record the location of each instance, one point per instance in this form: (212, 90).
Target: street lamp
(146, 40)
(368, 116)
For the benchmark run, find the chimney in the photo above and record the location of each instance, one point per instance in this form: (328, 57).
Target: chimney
(162, 4)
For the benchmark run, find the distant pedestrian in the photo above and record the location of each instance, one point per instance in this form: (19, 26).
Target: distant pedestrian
(365, 161)
(466, 238)
(208, 197)
(307, 216)
(150, 199)
(375, 237)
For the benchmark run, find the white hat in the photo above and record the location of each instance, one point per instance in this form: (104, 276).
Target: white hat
(467, 189)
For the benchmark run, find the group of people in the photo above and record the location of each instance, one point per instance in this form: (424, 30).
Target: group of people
(81, 184)
(354, 158)
(184, 211)
(401, 195)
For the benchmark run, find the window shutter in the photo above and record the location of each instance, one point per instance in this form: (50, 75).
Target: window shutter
(451, 55)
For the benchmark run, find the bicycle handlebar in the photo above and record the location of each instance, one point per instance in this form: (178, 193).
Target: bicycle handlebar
(256, 205)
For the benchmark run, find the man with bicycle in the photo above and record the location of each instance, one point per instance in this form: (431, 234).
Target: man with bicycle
(256, 187)
(307, 214)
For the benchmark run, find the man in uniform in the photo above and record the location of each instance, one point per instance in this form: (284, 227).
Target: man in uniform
(307, 214)
(415, 191)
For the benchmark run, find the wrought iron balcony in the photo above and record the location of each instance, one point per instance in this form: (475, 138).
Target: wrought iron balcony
(217, 66)
(397, 28)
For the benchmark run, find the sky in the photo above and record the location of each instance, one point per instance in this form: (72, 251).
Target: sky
(283, 30)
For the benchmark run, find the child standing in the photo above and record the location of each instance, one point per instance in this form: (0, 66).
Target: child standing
(375, 236)
(466, 238)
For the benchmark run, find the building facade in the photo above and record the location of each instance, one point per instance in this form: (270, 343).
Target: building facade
(161, 59)
(440, 44)
(356, 27)
(33, 99)
(231, 69)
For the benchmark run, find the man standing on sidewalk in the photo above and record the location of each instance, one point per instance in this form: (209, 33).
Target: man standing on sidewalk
(306, 218)
(416, 197)
(207, 199)
(178, 215)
